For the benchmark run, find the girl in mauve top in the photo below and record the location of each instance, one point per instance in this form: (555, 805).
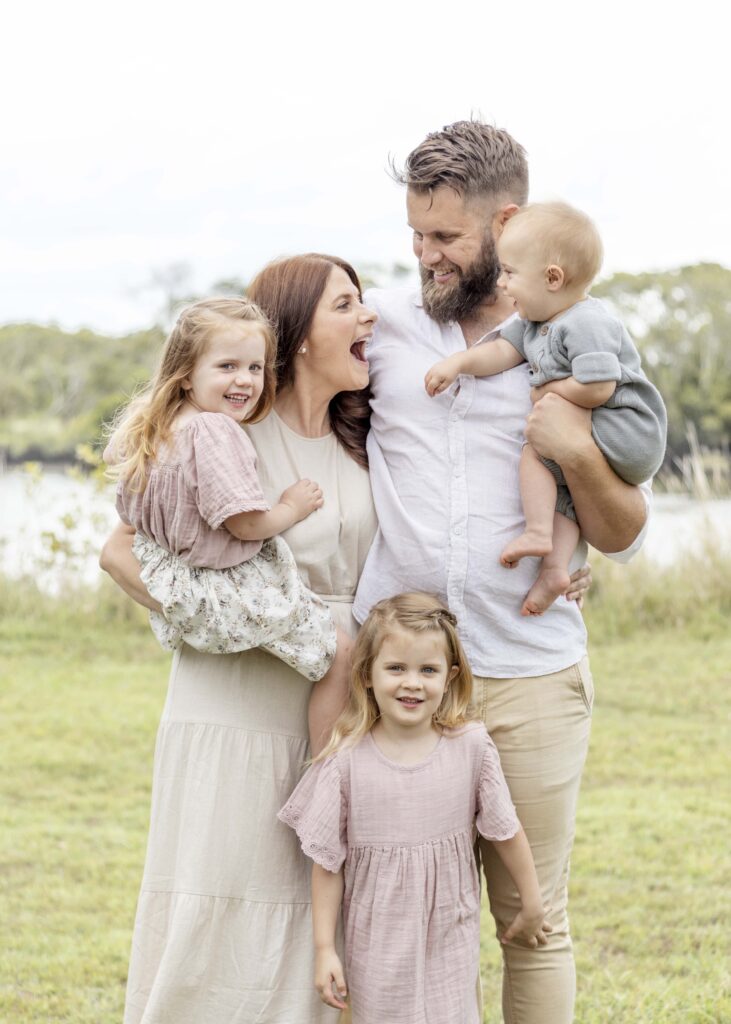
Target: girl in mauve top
(206, 538)
(387, 813)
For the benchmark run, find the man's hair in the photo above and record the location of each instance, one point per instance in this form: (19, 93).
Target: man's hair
(471, 157)
(561, 234)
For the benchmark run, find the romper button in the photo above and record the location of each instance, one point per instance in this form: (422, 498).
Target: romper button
(534, 367)
(544, 329)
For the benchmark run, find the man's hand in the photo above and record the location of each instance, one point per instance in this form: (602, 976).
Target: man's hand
(329, 978)
(580, 583)
(558, 429)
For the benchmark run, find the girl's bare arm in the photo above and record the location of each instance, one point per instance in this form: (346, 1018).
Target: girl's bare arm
(327, 897)
(296, 503)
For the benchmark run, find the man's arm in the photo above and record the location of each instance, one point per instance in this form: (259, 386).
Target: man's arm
(117, 559)
(611, 513)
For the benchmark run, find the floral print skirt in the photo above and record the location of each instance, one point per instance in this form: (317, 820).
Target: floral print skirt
(260, 603)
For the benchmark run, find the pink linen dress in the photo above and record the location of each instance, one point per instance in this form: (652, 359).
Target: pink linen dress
(405, 834)
(220, 594)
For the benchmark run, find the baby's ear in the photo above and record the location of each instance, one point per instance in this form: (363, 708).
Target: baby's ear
(554, 277)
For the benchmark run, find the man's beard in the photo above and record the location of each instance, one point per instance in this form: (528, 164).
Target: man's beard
(475, 285)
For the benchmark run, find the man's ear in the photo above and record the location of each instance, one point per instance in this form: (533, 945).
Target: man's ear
(501, 218)
(555, 278)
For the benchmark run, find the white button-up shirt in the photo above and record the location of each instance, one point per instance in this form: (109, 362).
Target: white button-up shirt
(444, 474)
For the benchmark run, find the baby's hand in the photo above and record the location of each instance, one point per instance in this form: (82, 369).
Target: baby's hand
(530, 927)
(441, 375)
(304, 497)
(329, 978)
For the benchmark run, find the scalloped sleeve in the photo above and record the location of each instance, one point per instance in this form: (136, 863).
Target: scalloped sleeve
(496, 817)
(221, 469)
(318, 811)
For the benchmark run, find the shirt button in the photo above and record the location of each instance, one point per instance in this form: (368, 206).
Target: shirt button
(544, 329)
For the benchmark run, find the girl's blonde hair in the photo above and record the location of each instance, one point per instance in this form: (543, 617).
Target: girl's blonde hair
(145, 423)
(420, 613)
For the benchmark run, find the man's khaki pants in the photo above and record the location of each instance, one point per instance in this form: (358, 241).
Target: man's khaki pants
(540, 726)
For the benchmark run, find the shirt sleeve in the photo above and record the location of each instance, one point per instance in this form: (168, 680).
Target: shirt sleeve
(496, 817)
(514, 332)
(222, 469)
(592, 343)
(317, 811)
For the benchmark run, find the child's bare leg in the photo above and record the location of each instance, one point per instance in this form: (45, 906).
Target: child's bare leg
(538, 491)
(329, 695)
(553, 579)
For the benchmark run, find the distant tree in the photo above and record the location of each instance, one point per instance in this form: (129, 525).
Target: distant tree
(681, 322)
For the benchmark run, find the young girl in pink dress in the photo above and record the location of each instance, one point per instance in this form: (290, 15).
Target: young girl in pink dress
(388, 813)
(206, 538)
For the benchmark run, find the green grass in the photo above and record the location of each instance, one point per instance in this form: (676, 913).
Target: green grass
(82, 686)
(651, 871)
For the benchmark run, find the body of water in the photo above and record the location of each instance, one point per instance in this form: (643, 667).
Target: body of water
(52, 522)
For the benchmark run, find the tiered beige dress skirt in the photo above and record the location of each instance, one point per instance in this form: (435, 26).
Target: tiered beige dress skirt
(223, 932)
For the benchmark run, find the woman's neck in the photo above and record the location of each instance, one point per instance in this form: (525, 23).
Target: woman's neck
(304, 410)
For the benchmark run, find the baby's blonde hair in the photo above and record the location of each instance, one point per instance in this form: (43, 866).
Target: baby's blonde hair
(420, 613)
(562, 235)
(145, 423)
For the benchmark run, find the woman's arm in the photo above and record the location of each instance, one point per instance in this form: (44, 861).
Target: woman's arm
(117, 559)
(611, 513)
(296, 503)
(327, 897)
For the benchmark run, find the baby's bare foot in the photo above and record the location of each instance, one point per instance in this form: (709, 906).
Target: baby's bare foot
(551, 583)
(529, 543)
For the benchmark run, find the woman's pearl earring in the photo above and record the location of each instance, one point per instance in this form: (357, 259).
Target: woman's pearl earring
(303, 350)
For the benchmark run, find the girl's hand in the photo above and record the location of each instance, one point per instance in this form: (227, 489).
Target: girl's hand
(329, 978)
(303, 498)
(441, 375)
(529, 927)
(580, 583)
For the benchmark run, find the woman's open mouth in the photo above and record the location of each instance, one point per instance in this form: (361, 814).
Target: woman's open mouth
(357, 349)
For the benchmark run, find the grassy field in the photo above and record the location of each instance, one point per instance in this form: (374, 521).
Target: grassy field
(82, 688)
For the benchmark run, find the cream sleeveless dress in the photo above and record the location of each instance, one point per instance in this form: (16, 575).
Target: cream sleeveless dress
(223, 930)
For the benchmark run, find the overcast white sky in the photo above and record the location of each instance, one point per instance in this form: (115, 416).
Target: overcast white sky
(221, 135)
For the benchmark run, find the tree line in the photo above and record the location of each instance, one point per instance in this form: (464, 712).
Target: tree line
(60, 387)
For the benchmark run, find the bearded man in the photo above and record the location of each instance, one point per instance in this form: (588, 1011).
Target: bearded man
(444, 473)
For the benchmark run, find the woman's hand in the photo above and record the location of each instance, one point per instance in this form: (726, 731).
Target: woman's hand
(580, 583)
(529, 927)
(329, 978)
(117, 559)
